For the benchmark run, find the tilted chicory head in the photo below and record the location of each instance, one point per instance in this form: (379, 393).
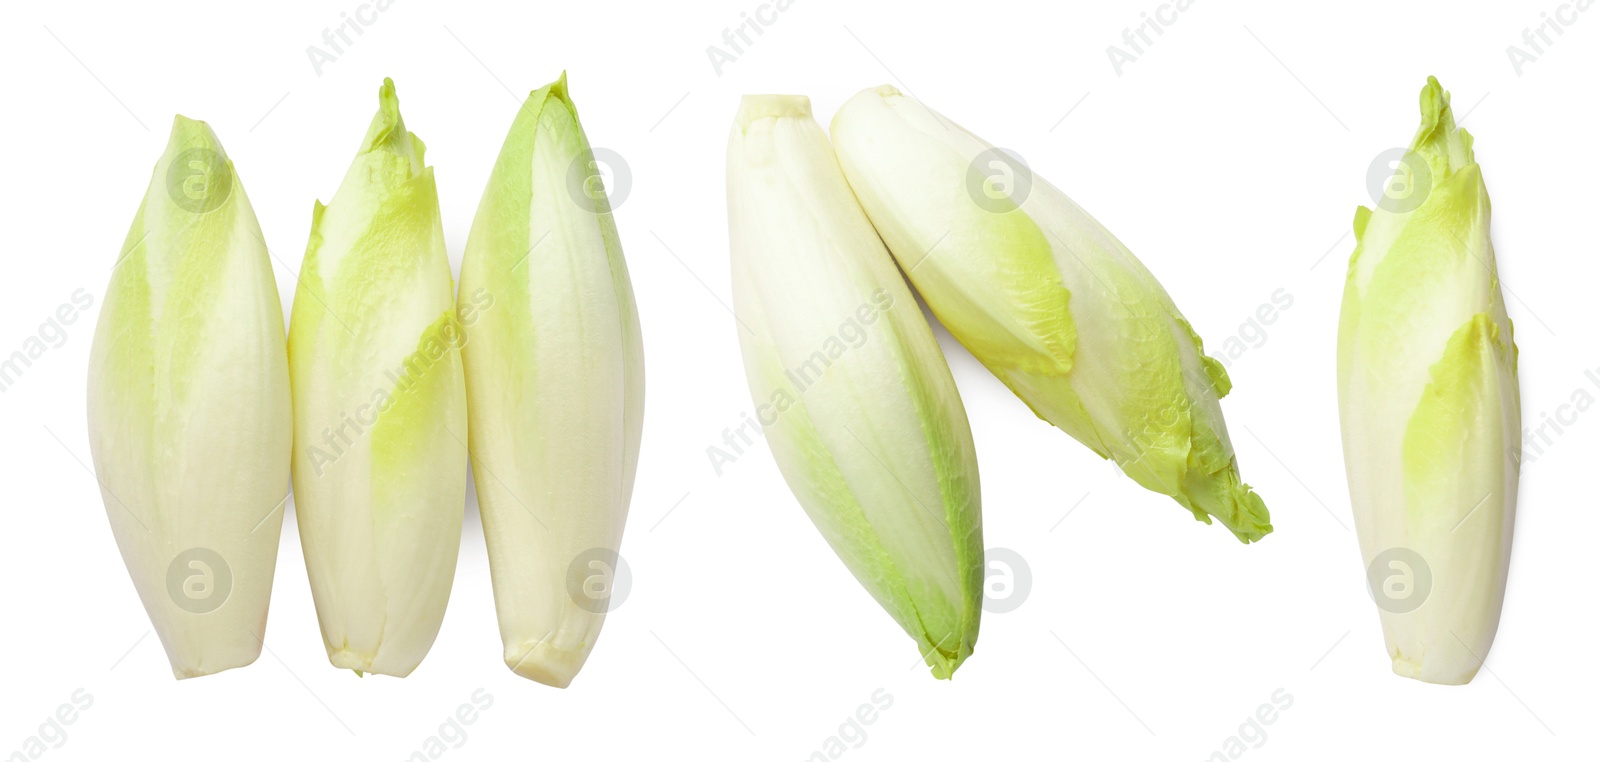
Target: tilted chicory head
(1049, 301)
(859, 406)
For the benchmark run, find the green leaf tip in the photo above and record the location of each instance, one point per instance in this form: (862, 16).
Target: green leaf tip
(192, 133)
(1359, 224)
(1251, 520)
(1434, 101)
(538, 99)
(942, 667)
(388, 129)
(1446, 147)
(195, 168)
(558, 88)
(387, 98)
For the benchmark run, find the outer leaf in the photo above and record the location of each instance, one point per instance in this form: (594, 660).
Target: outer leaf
(380, 407)
(1052, 303)
(1430, 409)
(555, 381)
(861, 411)
(189, 418)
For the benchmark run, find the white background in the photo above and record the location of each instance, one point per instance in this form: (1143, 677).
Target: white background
(1229, 156)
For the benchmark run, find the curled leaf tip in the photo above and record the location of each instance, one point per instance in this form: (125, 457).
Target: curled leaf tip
(556, 91)
(387, 127)
(1445, 147)
(1434, 102)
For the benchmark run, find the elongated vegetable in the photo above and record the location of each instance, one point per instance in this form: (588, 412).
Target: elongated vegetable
(860, 409)
(380, 461)
(1429, 406)
(1049, 301)
(555, 386)
(189, 420)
